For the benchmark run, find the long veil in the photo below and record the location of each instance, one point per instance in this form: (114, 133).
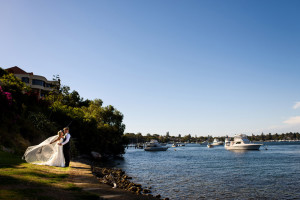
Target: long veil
(42, 152)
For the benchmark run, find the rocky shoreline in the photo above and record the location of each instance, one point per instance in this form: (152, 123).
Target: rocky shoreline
(118, 179)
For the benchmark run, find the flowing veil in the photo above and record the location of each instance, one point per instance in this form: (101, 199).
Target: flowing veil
(42, 152)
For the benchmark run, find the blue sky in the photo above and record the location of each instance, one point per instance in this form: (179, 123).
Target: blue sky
(188, 67)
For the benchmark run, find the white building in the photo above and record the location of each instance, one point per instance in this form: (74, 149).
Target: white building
(37, 83)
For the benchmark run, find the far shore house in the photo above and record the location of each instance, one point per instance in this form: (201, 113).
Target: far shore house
(38, 84)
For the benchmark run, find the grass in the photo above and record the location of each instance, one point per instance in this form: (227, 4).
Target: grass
(20, 180)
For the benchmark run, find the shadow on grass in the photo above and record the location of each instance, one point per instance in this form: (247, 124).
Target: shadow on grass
(82, 168)
(15, 188)
(23, 194)
(8, 180)
(48, 175)
(9, 160)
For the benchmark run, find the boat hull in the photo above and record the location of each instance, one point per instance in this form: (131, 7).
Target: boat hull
(156, 148)
(243, 147)
(217, 144)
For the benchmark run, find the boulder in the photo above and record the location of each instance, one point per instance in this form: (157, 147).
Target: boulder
(146, 191)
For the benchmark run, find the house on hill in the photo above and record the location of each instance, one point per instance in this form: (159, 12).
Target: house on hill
(38, 84)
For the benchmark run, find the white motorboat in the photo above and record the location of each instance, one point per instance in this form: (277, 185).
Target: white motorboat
(240, 142)
(154, 145)
(216, 142)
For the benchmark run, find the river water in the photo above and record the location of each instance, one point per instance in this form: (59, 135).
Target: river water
(198, 172)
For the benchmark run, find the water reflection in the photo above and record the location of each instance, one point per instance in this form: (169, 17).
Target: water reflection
(240, 151)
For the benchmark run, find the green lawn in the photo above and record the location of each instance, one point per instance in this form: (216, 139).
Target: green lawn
(20, 180)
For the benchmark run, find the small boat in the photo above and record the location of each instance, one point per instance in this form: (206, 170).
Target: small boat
(175, 145)
(216, 142)
(240, 142)
(139, 146)
(154, 145)
(209, 146)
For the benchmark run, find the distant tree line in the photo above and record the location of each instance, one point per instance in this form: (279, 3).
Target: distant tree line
(139, 138)
(26, 119)
(276, 137)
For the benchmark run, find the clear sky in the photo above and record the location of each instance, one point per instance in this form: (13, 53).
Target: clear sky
(194, 67)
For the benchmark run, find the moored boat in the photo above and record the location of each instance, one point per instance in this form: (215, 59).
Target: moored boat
(154, 145)
(240, 142)
(216, 142)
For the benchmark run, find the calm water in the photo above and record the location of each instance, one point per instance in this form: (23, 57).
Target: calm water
(195, 172)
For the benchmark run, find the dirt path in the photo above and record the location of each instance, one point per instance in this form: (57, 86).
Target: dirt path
(81, 176)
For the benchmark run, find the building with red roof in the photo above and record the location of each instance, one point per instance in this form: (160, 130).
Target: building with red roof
(37, 83)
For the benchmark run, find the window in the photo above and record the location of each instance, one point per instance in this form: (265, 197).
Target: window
(25, 79)
(48, 85)
(38, 82)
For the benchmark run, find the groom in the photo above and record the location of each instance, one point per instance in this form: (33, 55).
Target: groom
(66, 146)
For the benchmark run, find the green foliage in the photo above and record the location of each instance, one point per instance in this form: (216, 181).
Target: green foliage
(16, 88)
(96, 128)
(40, 121)
(72, 99)
(2, 72)
(93, 111)
(12, 84)
(275, 137)
(72, 112)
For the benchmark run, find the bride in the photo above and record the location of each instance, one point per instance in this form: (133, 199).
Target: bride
(47, 153)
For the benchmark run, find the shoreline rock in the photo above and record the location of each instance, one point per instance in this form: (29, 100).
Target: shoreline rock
(106, 173)
(118, 179)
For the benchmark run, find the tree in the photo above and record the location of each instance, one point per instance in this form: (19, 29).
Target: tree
(2, 72)
(262, 136)
(187, 138)
(276, 136)
(12, 84)
(16, 88)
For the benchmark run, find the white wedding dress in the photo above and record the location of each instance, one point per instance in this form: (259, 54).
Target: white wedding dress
(46, 153)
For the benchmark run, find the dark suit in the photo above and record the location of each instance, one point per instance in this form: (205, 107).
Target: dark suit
(66, 151)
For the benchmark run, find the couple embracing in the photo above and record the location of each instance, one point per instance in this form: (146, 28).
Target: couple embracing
(54, 151)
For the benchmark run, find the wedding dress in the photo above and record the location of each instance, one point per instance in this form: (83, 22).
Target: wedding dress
(46, 153)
